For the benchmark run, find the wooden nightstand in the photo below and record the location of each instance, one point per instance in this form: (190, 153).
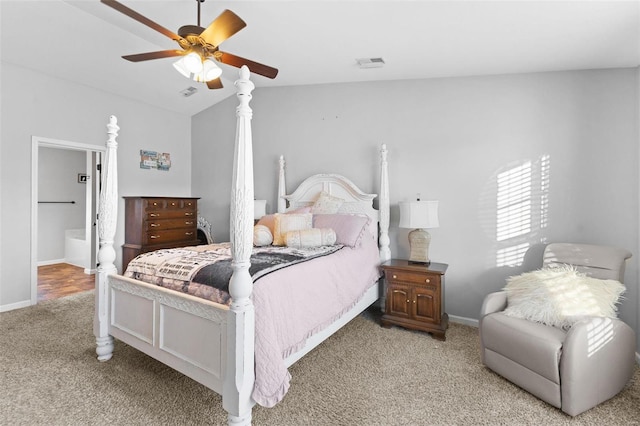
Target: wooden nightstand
(415, 297)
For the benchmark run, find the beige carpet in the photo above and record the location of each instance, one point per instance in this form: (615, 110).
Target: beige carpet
(363, 375)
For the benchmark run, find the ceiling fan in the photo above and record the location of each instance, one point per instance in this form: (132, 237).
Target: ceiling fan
(198, 46)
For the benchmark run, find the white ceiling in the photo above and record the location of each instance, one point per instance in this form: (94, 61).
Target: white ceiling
(315, 42)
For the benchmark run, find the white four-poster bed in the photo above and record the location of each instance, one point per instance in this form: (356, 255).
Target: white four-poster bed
(210, 342)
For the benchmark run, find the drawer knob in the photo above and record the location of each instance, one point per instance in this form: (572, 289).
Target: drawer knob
(408, 301)
(153, 237)
(155, 225)
(154, 215)
(427, 280)
(395, 277)
(414, 301)
(188, 233)
(173, 203)
(189, 223)
(188, 214)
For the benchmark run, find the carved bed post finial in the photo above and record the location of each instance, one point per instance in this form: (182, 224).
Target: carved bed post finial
(107, 219)
(282, 187)
(384, 241)
(240, 375)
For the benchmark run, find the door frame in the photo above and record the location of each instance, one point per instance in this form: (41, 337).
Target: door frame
(36, 143)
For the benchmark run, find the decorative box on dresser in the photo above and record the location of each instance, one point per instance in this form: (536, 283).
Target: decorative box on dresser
(153, 223)
(415, 296)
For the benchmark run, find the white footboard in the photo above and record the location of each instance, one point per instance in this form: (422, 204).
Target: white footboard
(186, 333)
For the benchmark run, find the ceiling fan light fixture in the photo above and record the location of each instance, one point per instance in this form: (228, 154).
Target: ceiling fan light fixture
(182, 69)
(210, 70)
(193, 62)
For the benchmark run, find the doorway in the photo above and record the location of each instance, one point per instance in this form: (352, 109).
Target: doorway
(87, 180)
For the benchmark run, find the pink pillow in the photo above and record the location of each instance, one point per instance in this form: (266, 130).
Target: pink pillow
(349, 228)
(305, 209)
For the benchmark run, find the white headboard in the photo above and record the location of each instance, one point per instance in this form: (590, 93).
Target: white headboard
(355, 200)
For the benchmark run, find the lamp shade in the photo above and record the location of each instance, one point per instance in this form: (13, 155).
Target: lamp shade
(419, 214)
(259, 208)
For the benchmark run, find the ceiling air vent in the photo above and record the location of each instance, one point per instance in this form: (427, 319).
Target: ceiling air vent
(188, 91)
(370, 62)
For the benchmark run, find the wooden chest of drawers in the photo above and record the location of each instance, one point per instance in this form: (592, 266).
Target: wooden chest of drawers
(153, 223)
(415, 296)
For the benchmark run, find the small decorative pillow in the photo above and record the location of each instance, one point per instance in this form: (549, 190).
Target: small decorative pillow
(349, 228)
(326, 204)
(310, 238)
(561, 296)
(289, 222)
(262, 236)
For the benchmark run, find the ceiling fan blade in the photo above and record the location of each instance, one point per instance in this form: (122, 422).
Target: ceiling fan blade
(153, 55)
(254, 67)
(142, 19)
(223, 27)
(216, 83)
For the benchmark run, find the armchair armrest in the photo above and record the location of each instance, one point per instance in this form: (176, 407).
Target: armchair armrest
(598, 358)
(494, 302)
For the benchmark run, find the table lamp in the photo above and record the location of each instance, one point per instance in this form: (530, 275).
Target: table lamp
(259, 208)
(419, 215)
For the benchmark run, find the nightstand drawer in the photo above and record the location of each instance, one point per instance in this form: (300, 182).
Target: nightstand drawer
(412, 277)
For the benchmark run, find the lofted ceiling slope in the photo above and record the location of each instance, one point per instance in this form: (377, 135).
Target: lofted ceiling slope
(318, 42)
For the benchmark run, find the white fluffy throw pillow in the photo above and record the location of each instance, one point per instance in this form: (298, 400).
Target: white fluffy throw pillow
(561, 296)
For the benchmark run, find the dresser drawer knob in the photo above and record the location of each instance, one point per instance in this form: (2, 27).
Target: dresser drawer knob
(155, 225)
(188, 234)
(153, 237)
(188, 214)
(154, 214)
(427, 280)
(173, 203)
(189, 222)
(395, 277)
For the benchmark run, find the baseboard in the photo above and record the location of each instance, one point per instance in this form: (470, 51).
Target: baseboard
(18, 305)
(50, 262)
(463, 320)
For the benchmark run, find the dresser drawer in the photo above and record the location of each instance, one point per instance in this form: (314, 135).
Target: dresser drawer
(171, 235)
(161, 225)
(171, 214)
(412, 277)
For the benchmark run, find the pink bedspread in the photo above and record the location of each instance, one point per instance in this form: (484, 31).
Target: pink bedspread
(295, 303)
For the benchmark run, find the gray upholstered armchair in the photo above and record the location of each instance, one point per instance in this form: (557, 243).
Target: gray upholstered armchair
(573, 369)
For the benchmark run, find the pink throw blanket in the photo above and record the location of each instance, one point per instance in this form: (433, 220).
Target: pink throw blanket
(295, 303)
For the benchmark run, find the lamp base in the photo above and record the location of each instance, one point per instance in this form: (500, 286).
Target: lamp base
(419, 241)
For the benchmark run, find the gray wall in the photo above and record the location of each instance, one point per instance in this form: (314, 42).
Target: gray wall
(33, 104)
(58, 181)
(450, 139)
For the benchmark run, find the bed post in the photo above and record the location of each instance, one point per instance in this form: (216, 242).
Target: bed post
(240, 374)
(282, 187)
(383, 207)
(107, 218)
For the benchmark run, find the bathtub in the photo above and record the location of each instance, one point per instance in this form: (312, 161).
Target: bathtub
(77, 251)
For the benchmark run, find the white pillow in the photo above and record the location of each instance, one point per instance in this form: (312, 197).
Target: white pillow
(314, 237)
(289, 222)
(561, 296)
(326, 204)
(262, 235)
